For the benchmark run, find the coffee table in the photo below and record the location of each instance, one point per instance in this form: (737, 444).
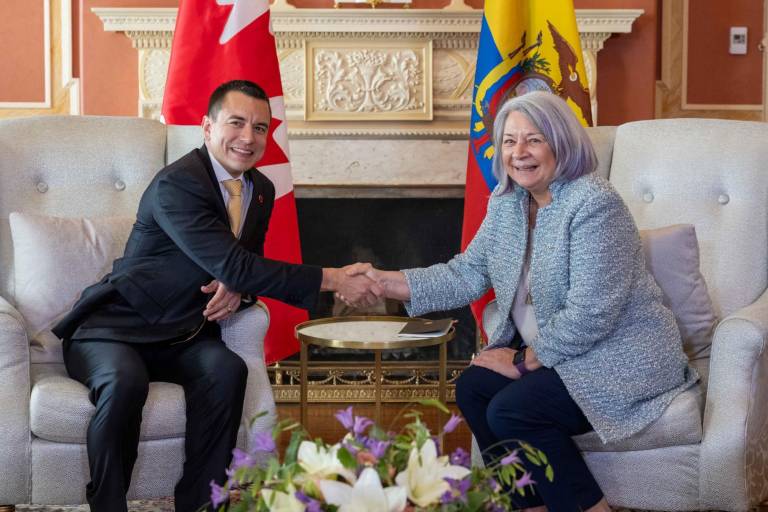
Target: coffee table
(374, 333)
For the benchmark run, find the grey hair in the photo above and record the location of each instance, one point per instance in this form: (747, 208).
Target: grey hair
(573, 151)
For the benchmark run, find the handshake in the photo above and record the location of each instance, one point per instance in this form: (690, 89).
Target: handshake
(362, 285)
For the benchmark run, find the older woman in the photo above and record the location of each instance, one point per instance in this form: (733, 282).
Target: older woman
(585, 343)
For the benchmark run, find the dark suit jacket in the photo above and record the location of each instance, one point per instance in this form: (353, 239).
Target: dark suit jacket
(182, 240)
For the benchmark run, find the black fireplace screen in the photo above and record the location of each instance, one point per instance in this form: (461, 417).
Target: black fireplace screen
(391, 233)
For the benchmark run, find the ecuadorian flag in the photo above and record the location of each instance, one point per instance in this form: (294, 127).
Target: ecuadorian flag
(524, 45)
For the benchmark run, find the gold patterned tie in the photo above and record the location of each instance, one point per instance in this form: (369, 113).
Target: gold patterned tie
(235, 204)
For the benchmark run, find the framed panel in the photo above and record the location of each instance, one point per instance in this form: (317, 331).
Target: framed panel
(372, 81)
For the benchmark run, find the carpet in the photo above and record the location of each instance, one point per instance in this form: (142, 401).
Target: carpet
(161, 505)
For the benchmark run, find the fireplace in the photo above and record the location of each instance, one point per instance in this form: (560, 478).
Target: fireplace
(391, 233)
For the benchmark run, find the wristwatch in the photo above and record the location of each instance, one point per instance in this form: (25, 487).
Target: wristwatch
(519, 361)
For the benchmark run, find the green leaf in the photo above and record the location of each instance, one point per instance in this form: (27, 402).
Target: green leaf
(549, 473)
(432, 402)
(533, 458)
(293, 446)
(346, 458)
(542, 456)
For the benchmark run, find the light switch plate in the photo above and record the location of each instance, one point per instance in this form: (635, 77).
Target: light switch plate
(738, 41)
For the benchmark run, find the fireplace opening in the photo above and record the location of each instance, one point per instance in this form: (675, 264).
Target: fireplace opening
(390, 233)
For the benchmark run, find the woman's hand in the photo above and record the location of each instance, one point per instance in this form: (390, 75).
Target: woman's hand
(500, 360)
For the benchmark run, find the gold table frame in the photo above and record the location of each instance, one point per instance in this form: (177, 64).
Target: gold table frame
(376, 346)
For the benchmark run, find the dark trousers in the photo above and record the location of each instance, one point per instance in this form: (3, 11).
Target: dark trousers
(536, 409)
(118, 375)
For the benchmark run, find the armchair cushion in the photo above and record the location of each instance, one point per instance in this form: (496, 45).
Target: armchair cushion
(55, 259)
(60, 409)
(672, 257)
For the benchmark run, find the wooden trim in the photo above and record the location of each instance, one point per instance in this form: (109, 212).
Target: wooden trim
(671, 90)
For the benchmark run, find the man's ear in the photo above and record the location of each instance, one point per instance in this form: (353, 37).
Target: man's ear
(206, 125)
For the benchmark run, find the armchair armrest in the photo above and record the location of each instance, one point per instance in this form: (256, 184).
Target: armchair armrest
(244, 334)
(14, 404)
(735, 438)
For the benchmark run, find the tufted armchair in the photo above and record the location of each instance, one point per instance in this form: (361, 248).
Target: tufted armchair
(709, 449)
(95, 168)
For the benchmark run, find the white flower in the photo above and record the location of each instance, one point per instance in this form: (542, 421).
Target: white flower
(367, 495)
(423, 477)
(322, 462)
(279, 501)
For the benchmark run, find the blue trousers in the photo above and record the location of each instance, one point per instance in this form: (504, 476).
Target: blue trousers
(536, 409)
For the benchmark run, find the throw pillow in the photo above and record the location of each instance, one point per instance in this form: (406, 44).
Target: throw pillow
(672, 257)
(54, 260)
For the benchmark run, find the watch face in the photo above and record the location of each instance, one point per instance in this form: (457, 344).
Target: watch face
(519, 356)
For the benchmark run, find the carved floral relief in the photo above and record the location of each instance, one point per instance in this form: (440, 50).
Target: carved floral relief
(375, 82)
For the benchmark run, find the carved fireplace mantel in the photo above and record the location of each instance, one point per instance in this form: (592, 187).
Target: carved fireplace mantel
(438, 47)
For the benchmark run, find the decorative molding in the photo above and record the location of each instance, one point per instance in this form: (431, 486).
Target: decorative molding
(671, 90)
(451, 32)
(350, 382)
(389, 81)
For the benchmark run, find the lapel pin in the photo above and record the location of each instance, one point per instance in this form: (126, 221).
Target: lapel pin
(261, 199)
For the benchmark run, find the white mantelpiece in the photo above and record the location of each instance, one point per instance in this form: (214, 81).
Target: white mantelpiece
(452, 34)
(336, 146)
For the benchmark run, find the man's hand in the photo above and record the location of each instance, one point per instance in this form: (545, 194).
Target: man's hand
(355, 290)
(391, 282)
(222, 304)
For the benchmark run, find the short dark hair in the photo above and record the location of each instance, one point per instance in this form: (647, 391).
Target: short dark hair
(244, 86)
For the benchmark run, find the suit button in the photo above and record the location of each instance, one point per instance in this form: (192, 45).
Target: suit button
(42, 187)
(648, 197)
(723, 199)
(120, 185)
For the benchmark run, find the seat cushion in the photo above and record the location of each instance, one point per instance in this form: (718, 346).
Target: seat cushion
(60, 409)
(679, 425)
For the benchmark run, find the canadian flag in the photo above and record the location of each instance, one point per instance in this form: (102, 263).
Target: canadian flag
(220, 40)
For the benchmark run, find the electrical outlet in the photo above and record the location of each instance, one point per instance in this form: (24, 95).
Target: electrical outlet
(738, 41)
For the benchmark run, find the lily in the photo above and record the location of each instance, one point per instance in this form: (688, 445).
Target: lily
(279, 501)
(367, 495)
(424, 477)
(320, 462)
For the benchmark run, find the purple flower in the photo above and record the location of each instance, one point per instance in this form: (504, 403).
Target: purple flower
(312, 504)
(219, 494)
(351, 447)
(376, 447)
(460, 457)
(262, 442)
(512, 458)
(241, 459)
(524, 480)
(457, 491)
(361, 423)
(345, 417)
(452, 423)
(495, 507)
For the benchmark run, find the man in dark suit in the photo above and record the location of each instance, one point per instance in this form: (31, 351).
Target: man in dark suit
(194, 256)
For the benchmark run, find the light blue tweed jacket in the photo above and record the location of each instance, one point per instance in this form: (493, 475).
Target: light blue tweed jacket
(602, 325)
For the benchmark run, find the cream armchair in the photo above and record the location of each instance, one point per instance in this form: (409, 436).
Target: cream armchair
(95, 168)
(709, 449)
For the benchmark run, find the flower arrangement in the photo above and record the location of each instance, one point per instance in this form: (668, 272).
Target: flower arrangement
(371, 470)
